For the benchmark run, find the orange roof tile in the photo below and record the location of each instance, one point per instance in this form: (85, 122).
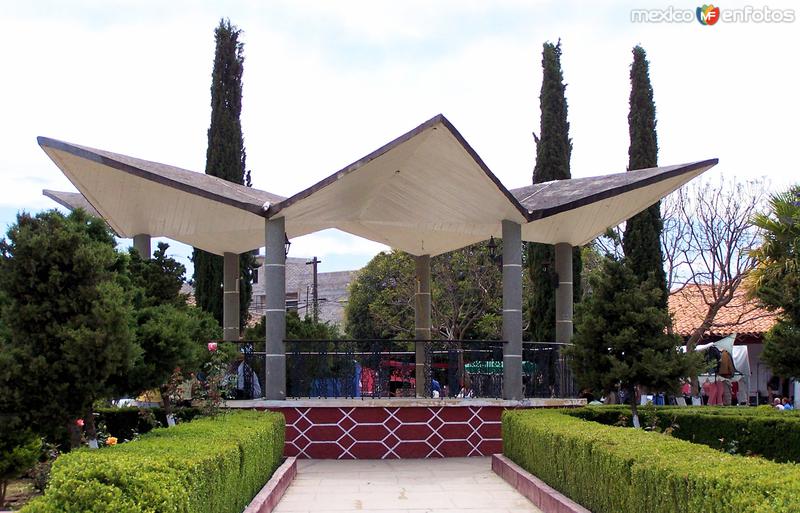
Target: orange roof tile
(742, 315)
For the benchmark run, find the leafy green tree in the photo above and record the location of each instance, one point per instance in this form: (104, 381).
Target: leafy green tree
(225, 158)
(160, 278)
(68, 314)
(297, 329)
(553, 151)
(775, 280)
(381, 300)
(170, 335)
(620, 342)
(642, 239)
(465, 296)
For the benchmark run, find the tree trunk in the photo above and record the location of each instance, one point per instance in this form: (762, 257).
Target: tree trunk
(3, 487)
(634, 411)
(91, 430)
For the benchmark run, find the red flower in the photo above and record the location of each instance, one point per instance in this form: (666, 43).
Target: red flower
(212, 346)
(79, 422)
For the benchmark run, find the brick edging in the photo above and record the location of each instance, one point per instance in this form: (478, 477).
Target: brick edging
(269, 496)
(534, 489)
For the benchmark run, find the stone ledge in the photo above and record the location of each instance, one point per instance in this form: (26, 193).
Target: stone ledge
(269, 496)
(534, 489)
(404, 402)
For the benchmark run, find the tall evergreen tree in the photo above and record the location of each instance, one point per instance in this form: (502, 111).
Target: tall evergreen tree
(620, 340)
(225, 158)
(553, 150)
(642, 239)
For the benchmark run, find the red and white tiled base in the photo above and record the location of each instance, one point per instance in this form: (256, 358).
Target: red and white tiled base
(392, 432)
(394, 429)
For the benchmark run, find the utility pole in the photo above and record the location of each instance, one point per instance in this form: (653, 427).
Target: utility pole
(314, 292)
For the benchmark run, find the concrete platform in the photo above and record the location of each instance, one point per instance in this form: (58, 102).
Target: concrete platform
(446, 485)
(406, 402)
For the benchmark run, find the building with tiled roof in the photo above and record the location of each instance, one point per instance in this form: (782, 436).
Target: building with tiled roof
(743, 316)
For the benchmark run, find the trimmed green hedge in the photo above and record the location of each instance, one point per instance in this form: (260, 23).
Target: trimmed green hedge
(620, 470)
(766, 432)
(210, 465)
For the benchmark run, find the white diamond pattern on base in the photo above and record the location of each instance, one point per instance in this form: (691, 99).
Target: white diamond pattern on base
(434, 437)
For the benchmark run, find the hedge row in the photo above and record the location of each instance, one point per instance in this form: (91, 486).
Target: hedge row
(620, 470)
(213, 465)
(124, 423)
(769, 433)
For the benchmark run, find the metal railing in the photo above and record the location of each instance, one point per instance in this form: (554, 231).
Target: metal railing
(387, 368)
(546, 371)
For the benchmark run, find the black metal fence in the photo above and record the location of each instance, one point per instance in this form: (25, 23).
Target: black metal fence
(546, 371)
(387, 368)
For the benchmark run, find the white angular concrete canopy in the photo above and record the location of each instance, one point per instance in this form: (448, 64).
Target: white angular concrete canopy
(426, 192)
(137, 196)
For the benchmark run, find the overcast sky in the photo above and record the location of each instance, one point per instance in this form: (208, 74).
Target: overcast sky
(327, 82)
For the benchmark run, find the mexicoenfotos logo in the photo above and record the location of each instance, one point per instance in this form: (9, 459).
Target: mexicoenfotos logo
(707, 14)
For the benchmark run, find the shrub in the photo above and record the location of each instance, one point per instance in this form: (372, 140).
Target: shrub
(770, 433)
(209, 465)
(18, 453)
(620, 470)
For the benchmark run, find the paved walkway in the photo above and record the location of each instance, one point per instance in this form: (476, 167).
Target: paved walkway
(443, 485)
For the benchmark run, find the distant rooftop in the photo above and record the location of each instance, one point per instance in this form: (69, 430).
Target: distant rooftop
(742, 315)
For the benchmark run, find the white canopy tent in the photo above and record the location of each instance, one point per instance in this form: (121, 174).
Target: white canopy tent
(741, 361)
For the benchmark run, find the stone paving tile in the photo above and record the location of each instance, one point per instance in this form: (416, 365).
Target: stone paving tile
(443, 485)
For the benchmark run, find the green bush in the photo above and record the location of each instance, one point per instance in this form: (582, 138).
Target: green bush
(213, 465)
(124, 423)
(766, 432)
(620, 470)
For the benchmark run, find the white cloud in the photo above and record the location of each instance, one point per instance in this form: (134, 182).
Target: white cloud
(333, 242)
(328, 82)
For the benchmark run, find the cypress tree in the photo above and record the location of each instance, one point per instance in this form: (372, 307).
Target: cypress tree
(553, 150)
(225, 158)
(642, 238)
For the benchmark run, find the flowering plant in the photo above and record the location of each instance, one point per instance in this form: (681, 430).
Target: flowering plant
(216, 384)
(212, 346)
(111, 440)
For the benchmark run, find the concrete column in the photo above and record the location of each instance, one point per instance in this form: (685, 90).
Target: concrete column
(796, 394)
(422, 317)
(563, 307)
(512, 310)
(141, 243)
(564, 293)
(230, 297)
(275, 290)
